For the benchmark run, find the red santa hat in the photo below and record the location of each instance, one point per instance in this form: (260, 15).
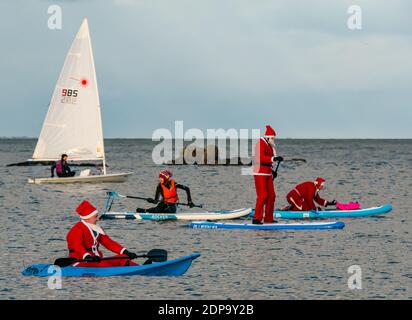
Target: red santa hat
(86, 210)
(270, 132)
(319, 181)
(165, 174)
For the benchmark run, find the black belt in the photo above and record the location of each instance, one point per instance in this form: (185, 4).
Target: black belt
(264, 164)
(87, 249)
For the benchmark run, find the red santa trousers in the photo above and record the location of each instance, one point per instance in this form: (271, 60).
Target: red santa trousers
(265, 198)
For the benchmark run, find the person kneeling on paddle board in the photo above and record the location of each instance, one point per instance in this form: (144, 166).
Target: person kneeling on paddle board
(62, 168)
(305, 194)
(265, 155)
(167, 189)
(85, 237)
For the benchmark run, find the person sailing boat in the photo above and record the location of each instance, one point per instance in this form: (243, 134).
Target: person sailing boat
(62, 168)
(73, 122)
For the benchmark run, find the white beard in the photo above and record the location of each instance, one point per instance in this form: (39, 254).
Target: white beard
(96, 227)
(271, 142)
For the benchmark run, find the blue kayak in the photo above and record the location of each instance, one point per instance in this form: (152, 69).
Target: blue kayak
(175, 267)
(267, 226)
(330, 213)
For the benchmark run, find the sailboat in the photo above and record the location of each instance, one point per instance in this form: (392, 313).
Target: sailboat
(73, 123)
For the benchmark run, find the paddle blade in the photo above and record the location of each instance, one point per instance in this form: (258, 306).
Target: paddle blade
(157, 255)
(113, 194)
(64, 262)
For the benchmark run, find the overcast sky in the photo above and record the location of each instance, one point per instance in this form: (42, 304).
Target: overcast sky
(218, 64)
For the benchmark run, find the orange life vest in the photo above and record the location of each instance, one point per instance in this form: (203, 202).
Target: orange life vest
(170, 195)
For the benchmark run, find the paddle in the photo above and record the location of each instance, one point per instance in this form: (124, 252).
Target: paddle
(115, 194)
(156, 255)
(275, 172)
(109, 201)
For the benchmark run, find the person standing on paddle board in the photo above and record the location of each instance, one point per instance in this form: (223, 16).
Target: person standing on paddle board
(305, 194)
(62, 168)
(167, 189)
(85, 237)
(265, 155)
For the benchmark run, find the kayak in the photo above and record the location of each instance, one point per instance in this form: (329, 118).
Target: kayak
(331, 213)
(268, 226)
(217, 215)
(175, 267)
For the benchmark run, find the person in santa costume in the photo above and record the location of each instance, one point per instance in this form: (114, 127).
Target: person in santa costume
(85, 238)
(265, 155)
(305, 196)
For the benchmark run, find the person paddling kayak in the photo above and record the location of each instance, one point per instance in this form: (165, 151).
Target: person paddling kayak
(265, 155)
(62, 168)
(305, 194)
(85, 237)
(167, 189)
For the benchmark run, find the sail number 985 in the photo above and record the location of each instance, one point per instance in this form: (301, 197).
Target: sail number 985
(69, 93)
(69, 96)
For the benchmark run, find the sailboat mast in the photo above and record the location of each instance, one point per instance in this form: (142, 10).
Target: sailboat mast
(98, 104)
(101, 128)
(104, 163)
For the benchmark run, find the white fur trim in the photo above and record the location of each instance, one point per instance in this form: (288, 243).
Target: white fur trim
(85, 255)
(264, 140)
(299, 207)
(90, 215)
(297, 191)
(99, 231)
(123, 250)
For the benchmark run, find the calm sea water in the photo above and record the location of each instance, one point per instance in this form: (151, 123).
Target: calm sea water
(234, 264)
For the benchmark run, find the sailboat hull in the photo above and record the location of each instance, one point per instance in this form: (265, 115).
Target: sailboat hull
(115, 177)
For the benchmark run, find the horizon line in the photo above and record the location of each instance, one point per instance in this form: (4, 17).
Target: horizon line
(287, 138)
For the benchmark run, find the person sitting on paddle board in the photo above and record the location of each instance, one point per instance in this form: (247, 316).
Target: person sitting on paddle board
(85, 237)
(62, 168)
(167, 189)
(265, 155)
(305, 194)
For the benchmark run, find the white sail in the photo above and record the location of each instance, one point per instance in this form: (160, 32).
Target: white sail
(73, 122)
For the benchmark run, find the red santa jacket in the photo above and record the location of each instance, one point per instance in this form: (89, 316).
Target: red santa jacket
(264, 154)
(305, 195)
(81, 241)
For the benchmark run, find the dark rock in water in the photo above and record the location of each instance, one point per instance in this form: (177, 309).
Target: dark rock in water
(216, 162)
(30, 163)
(296, 160)
(209, 156)
(49, 163)
(225, 162)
